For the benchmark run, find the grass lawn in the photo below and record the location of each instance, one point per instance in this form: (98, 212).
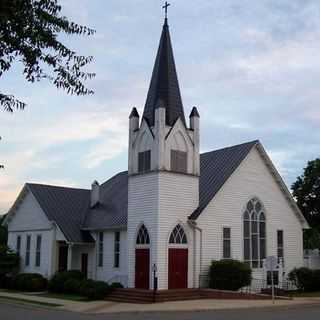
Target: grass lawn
(63, 296)
(305, 294)
(46, 304)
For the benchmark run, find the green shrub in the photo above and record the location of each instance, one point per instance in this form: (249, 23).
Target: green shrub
(94, 290)
(72, 286)
(6, 282)
(29, 282)
(57, 282)
(229, 275)
(305, 279)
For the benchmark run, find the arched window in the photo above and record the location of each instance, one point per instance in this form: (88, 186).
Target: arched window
(143, 236)
(254, 234)
(178, 236)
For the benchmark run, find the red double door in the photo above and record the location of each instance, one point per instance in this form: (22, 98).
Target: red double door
(142, 269)
(178, 268)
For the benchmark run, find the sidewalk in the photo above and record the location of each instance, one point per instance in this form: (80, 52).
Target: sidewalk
(99, 307)
(200, 305)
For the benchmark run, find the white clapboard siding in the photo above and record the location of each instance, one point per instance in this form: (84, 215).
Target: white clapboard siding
(29, 219)
(160, 200)
(107, 272)
(251, 179)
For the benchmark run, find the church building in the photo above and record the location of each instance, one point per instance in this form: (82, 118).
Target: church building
(173, 210)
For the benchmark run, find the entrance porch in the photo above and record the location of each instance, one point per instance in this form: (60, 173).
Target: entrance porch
(75, 257)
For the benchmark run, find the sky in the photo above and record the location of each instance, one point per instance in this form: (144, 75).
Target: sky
(251, 67)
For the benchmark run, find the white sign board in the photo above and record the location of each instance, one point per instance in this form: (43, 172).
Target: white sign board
(271, 263)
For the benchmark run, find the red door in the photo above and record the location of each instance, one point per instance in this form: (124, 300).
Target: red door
(142, 269)
(178, 268)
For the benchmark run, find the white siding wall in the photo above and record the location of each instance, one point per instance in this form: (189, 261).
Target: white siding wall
(29, 216)
(251, 179)
(29, 219)
(178, 198)
(160, 200)
(77, 251)
(107, 272)
(143, 200)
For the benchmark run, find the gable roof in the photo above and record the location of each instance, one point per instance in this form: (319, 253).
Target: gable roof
(66, 207)
(215, 169)
(112, 210)
(70, 207)
(164, 88)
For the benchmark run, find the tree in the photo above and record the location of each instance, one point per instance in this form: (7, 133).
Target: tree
(9, 261)
(3, 232)
(306, 191)
(29, 31)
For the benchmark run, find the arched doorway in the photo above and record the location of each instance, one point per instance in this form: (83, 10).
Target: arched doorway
(178, 259)
(142, 270)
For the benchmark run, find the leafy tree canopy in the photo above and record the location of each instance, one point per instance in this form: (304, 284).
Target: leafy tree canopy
(3, 232)
(306, 191)
(9, 261)
(29, 31)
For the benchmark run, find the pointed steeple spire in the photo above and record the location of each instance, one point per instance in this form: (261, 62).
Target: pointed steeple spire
(164, 87)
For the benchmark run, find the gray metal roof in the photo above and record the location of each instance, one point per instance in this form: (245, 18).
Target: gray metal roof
(112, 211)
(215, 169)
(164, 88)
(66, 207)
(70, 208)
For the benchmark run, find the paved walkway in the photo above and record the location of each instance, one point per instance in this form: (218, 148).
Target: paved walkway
(98, 307)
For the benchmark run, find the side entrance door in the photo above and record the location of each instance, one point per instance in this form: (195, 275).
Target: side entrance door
(142, 269)
(178, 268)
(63, 258)
(84, 264)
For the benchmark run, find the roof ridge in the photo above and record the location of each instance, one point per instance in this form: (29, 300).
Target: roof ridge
(54, 186)
(233, 146)
(113, 177)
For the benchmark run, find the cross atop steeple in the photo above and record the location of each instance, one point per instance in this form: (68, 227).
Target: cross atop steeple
(165, 7)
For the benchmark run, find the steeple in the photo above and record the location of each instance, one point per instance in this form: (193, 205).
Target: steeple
(164, 88)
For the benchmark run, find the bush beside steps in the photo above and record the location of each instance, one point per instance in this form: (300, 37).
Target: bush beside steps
(229, 274)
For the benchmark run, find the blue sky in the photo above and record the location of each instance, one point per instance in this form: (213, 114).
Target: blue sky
(251, 67)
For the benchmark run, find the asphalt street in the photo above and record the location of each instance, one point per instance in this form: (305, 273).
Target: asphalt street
(10, 311)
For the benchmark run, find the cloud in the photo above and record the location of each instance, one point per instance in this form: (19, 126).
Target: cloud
(252, 68)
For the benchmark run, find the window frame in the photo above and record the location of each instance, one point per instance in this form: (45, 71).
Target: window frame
(178, 237)
(144, 161)
(254, 224)
(116, 255)
(280, 246)
(28, 250)
(226, 239)
(38, 250)
(18, 245)
(100, 248)
(179, 161)
(143, 237)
